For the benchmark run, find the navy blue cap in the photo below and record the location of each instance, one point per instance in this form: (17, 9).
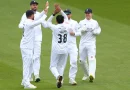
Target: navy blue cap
(33, 2)
(67, 11)
(88, 10)
(29, 13)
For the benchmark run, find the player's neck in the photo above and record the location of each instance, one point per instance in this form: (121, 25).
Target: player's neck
(30, 18)
(34, 11)
(88, 19)
(69, 18)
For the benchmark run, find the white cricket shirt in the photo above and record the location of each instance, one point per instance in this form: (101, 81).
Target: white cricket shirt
(28, 38)
(74, 27)
(59, 38)
(38, 31)
(93, 29)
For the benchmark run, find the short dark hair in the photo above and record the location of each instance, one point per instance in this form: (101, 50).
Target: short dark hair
(29, 13)
(60, 19)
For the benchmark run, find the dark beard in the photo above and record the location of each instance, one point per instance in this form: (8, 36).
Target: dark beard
(34, 10)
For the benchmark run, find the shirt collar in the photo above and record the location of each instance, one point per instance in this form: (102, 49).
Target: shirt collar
(34, 12)
(29, 19)
(89, 20)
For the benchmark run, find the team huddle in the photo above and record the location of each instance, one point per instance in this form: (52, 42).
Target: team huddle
(64, 44)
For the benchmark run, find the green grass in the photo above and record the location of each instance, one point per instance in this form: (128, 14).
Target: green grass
(113, 45)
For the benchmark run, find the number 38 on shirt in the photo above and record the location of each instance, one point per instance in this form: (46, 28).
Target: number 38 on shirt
(62, 38)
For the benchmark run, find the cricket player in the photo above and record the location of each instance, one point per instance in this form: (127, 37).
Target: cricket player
(59, 45)
(72, 48)
(38, 39)
(27, 45)
(87, 48)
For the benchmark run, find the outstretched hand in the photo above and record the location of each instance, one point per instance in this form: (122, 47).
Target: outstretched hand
(57, 8)
(72, 33)
(46, 7)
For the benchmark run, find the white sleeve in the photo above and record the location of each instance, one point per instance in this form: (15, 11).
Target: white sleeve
(44, 24)
(49, 23)
(37, 22)
(40, 15)
(97, 30)
(22, 21)
(65, 16)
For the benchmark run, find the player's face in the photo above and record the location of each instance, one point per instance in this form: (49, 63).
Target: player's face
(69, 16)
(34, 7)
(88, 16)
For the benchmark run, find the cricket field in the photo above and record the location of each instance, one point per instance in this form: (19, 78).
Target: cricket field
(113, 45)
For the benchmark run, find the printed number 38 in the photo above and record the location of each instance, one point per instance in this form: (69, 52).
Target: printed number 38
(62, 38)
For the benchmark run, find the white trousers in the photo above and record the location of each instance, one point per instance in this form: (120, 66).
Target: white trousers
(36, 57)
(73, 54)
(88, 51)
(58, 64)
(27, 57)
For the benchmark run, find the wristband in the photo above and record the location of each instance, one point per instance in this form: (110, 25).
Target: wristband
(53, 14)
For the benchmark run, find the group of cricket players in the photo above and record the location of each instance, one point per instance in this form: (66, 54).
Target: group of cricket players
(64, 35)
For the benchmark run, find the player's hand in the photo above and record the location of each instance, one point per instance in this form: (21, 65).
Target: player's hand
(46, 11)
(46, 7)
(57, 8)
(83, 29)
(47, 4)
(72, 33)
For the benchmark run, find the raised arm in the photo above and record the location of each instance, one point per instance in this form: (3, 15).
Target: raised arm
(49, 23)
(40, 15)
(63, 14)
(50, 19)
(44, 24)
(58, 8)
(37, 22)
(44, 12)
(22, 21)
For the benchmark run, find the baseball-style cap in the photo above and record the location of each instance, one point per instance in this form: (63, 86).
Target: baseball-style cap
(88, 10)
(33, 2)
(67, 11)
(29, 13)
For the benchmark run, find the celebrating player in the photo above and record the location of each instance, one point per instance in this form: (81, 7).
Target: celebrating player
(27, 46)
(38, 39)
(59, 45)
(72, 48)
(87, 48)
(88, 45)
